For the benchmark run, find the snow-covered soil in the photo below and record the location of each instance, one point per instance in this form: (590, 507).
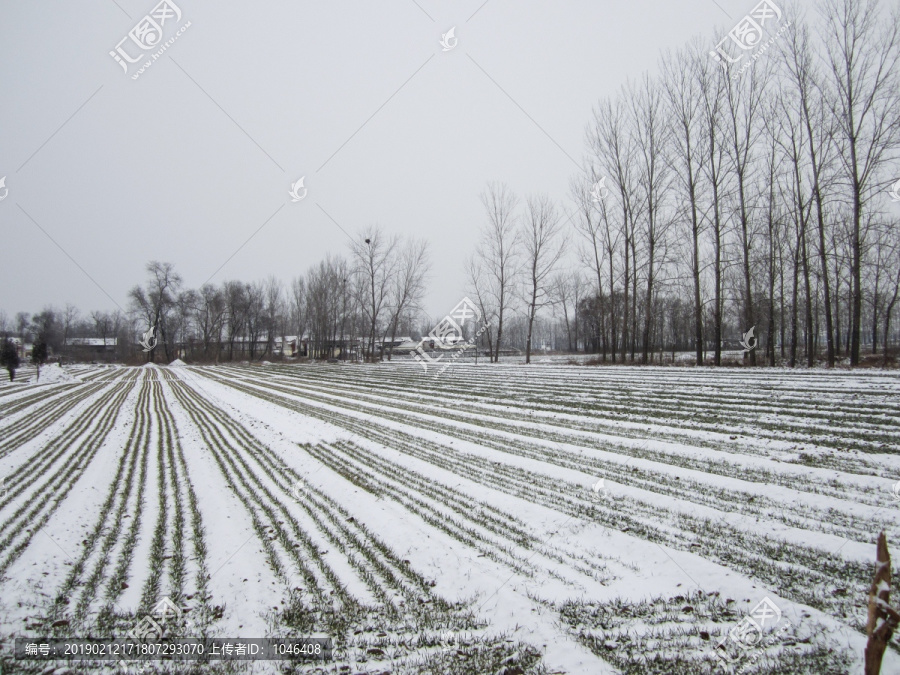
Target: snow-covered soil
(496, 518)
(52, 374)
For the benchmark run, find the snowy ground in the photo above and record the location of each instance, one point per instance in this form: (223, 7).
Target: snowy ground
(455, 523)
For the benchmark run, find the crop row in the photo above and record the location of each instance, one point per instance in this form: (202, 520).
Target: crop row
(802, 573)
(554, 444)
(88, 599)
(42, 482)
(266, 485)
(34, 421)
(619, 401)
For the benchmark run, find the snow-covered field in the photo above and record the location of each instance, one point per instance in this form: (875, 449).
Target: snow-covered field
(455, 523)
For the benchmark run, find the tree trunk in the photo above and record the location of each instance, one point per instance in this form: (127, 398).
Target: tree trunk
(770, 333)
(496, 355)
(856, 321)
(531, 313)
(810, 355)
(887, 329)
(648, 304)
(698, 306)
(749, 319)
(626, 306)
(826, 283)
(613, 328)
(781, 321)
(717, 274)
(634, 280)
(792, 359)
(888, 310)
(837, 310)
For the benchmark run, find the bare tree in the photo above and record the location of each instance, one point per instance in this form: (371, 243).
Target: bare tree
(407, 285)
(209, 316)
(102, 325)
(124, 344)
(156, 302)
(807, 90)
(744, 109)
(185, 302)
(863, 57)
(798, 200)
(69, 319)
(479, 286)
(257, 323)
(652, 135)
(375, 266)
(593, 225)
(347, 311)
(683, 78)
(297, 308)
(543, 246)
(612, 143)
(236, 313)
(773, 224)
(329, 306)
(499, 251)
(319, 301)
(273, 292)
(566, 289)
(712, 85)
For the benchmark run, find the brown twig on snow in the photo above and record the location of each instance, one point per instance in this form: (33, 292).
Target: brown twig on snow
(883, 619)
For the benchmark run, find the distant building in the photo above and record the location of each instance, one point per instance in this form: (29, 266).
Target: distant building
(428, 343)
(91, 349)
(341, 347)
(290, 346)
(398, 344)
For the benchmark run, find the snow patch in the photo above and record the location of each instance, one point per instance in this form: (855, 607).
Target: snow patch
(53, 374)
(177, 363)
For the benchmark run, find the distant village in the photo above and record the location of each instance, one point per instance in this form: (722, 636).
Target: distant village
(291, 347)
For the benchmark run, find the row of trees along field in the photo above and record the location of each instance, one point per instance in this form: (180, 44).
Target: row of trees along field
(710, 202)
(715, 201)
(374, 293)
(762, 193)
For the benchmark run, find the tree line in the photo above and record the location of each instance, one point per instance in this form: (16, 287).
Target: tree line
(762, 195)
(374, 292)
(716, 201)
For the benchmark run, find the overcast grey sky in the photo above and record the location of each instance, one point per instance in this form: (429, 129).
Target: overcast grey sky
(187, 161)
